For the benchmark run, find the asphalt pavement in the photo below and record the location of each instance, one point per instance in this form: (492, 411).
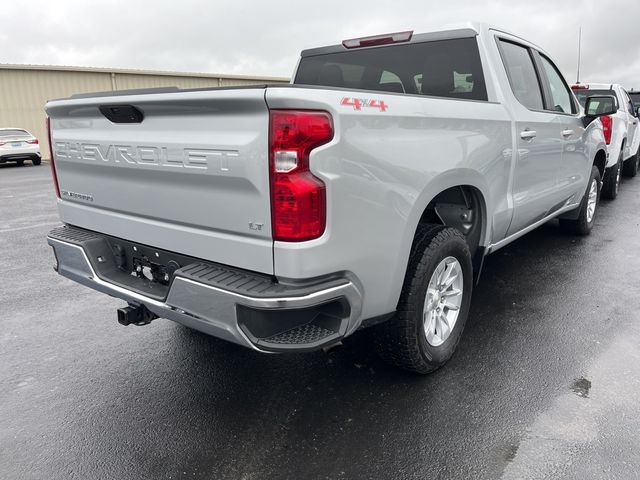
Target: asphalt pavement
(545, 383)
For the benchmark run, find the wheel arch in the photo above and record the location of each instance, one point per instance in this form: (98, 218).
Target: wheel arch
(462, 207)
(600, 161)
(468, 180)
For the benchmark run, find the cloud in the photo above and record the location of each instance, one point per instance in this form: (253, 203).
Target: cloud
(265, 38)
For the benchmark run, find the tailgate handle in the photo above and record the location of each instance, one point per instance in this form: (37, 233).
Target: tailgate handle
(122, 113)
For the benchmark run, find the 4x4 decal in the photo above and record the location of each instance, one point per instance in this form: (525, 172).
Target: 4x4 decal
(360, 103)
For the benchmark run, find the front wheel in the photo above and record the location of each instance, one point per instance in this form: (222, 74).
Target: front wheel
(587, 209)
(434, 303)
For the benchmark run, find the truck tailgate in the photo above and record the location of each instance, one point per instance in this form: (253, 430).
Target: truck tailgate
(191, 176)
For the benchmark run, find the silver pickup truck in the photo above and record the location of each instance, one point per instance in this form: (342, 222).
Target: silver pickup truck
(365, 193)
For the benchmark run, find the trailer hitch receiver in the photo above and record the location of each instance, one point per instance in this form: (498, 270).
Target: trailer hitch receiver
(136, 315)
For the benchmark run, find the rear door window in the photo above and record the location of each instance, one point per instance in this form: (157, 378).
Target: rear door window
(560, 94)
(522, 74)
(443, 68)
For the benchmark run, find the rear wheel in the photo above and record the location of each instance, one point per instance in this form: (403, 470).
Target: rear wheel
(611, 182)
(630, 168)
(434, 303)
(587, 209)
(20, 163)
(36, 161)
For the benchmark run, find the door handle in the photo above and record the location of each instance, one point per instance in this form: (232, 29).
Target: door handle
(567, 133)
(528, 134)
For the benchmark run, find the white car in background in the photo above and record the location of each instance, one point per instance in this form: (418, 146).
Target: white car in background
(18, 145)
(620, 131)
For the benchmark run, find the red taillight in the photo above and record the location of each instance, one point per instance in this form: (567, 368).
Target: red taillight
(298, 199)
(33, 142)
(579, 87)
(51, 159)
(607, 127)
(374, 40)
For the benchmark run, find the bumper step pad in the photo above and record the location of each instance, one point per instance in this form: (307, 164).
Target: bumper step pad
(303, 334)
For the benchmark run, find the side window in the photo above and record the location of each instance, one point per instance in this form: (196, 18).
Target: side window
(560, 96)
(522, 74)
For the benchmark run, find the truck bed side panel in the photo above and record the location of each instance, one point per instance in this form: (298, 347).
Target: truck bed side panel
(382, 169)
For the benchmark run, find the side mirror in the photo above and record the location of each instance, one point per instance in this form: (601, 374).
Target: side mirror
(638, 111)
(598, 106)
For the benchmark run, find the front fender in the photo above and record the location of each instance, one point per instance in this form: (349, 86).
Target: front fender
(594, 142)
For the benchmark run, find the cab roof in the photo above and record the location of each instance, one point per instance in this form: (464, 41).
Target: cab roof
(446, 32)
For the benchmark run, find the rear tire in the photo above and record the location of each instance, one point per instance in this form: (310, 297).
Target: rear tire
(611, 182)
(434, 303)
(630, 168)
(36, 161)
(587, 209)
(20, 163)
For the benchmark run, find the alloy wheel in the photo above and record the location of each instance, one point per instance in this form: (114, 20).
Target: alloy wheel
(592, 201)
(443, 301)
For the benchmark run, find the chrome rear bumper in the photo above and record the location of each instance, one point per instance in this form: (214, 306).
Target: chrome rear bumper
(296, 319)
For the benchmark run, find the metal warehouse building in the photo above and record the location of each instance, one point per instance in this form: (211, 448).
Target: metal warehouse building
(24, 89)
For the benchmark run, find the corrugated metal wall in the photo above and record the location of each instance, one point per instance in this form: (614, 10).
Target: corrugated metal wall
(24, 90)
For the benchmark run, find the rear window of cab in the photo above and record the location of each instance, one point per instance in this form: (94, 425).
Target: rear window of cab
(583, 93)
(13, 132)
(442, 68)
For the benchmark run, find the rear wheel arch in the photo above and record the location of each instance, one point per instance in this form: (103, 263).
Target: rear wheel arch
(422, 214)
(462, 207)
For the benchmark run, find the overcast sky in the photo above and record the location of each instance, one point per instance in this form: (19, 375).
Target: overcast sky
(265, 37)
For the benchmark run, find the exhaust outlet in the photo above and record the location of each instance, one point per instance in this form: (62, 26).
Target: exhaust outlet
(135, 314)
